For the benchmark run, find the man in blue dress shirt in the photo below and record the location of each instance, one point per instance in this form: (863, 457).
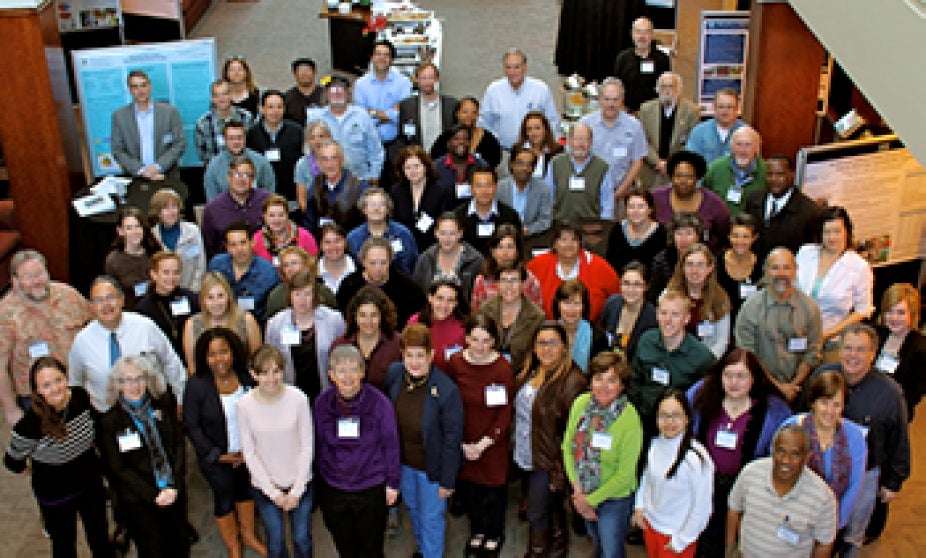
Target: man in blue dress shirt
(251, 278)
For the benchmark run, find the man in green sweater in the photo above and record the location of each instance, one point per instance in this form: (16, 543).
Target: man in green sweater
(739, 174)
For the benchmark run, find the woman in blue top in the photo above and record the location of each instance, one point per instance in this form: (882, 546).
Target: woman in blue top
(838, 451)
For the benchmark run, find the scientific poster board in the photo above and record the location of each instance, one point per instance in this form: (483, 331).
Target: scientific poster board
(722, 54)
(80, 15)
(883, 188)
(181, 73)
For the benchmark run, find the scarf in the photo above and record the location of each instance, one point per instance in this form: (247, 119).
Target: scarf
(588, 459)
(582, 347)
(145, 419)
(841, 470)
(274, 245)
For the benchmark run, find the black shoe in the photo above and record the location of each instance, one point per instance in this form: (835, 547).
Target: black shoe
(492, 548)
(635, 537)
(457, 509)
(474, 546)
(417, 554)
(120, 540)
(192, 536)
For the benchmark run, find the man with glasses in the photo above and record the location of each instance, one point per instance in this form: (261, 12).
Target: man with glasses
(781, 325)
(581, 182)
(711, 138)
(38, 317)
(242, 202)
(113, 334)
(210, 127)
(216, 179)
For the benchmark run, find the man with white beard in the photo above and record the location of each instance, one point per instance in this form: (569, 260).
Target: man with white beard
(740, 173)
(781, 325)
(667, 121)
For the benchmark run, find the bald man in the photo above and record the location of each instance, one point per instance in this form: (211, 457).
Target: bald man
(641, 65)
(740, 173)
(581, 183)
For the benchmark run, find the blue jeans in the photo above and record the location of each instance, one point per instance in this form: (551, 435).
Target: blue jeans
(854, 536)
(300, 521)
(610, 530)
(426, 509)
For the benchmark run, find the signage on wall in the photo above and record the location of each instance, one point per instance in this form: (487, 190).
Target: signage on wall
(722, 53)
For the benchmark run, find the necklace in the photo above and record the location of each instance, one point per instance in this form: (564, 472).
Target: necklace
(413, 383)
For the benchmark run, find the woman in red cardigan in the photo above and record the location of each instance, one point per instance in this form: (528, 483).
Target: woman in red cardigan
(568, 260)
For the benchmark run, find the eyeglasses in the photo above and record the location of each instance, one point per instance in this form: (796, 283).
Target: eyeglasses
(126, 380)
(670, 416)
(735, 375)
(509, 280)
(237, 174)
(104, 298)
(341, 372)
(634, 284)
(696, 265)
(549, 343)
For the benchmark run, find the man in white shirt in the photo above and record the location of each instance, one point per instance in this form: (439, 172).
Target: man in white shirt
(508, 99)
(114, 334)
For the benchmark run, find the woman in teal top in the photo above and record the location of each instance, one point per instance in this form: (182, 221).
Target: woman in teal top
(600, 451)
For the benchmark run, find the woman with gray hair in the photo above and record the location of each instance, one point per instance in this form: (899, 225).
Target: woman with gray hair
(357, 456)
(144, 450)
(377, 206)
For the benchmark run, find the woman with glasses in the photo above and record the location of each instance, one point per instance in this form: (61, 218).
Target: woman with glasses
(627, 315)
(142, 442)
(377, 206)
(451, 256)
(307, 166)
(696, 276)
(545, 390)
(570, 307)
(516, 318)
(673, 502)
(506, 247)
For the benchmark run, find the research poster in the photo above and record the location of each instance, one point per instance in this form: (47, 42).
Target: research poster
(722, 55)
(180, 72)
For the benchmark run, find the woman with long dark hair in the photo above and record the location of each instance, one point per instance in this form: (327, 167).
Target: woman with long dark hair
(506, 247)
(130, 258)
(445, 315)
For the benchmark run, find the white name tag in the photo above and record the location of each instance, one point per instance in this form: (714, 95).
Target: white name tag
(496, 396)
(661, 376)
(706, 329)
(191, 251)
(647, 66)
(576, 184)
(290, 336)
(272, 155)
(409, 129)
(349, 428)
(129, 441)
(788, 535)
(246, 303)
(424, 222)
(141, 289)
(464, 191)
(180, 307)
(734, 195)
(864, 430)
(887, 364)
(797, 344)
(725, 439)
(619, 151)
(220, 140)
(396, 245)
(485, 229)
(747, 290)
(601, 440)
(38, 350)
(168, 138)
(275, 261)
(450, 351)
(322, 221)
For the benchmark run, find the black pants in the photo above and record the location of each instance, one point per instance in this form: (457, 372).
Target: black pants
(485, 506)
(61, 523)
(158, 532)
(356, 519)
(229, 485)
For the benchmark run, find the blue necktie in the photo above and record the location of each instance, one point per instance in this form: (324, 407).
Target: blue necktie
(114, 351)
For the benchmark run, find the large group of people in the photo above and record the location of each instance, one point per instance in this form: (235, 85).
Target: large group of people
(360, 323)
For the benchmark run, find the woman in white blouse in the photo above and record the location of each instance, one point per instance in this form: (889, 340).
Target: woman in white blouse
(836, 277)
(674, 500)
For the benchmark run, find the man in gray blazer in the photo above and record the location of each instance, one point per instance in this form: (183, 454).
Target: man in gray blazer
(425, 116)
(528, 195)
(667, 121)
(147, 136)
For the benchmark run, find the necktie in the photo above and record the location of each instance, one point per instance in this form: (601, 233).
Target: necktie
(114, 351)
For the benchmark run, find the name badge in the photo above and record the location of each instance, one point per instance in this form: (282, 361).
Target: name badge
(290, 336)
(464, 191)
(706, 329)
(887, 364)
(864, 430)
(647, 66)
(496, 396)
(220, 140)
(601, 440)
(424, 222)
(275, 261)
(507, 356)
(322, 221)
(734, 195)
(129, 441)
(797, 344)
(356, 137)
(167, 139)
(180, 307)
(788, 535)
(349, 428)
(485, 229)
(576, 184)
(141, 289)
(246, 303)
(272, 155)
(747, 290)
(661, 376)
(619, 151)
(396, 245)
(38, 350)
(725, 439)
(450, 351)
(409, 129)
(191, 251)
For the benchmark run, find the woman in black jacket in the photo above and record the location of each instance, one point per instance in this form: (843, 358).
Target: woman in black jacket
(627, 315)
(142, 442)
(211, 418)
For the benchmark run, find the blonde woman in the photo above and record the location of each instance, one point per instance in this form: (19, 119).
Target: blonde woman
(219, 308)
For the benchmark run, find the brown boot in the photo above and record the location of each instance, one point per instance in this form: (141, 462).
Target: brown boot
(559, 534)
(537, 545)
(245, 512)
(228, 529)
